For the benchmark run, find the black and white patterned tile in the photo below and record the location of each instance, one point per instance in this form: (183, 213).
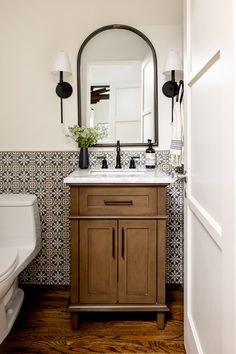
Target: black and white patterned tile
(42, 174)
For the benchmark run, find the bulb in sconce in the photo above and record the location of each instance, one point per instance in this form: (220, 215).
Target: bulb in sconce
(62, 63)
(173, 62)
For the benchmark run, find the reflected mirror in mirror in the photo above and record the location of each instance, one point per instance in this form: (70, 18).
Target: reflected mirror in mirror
(117, 85)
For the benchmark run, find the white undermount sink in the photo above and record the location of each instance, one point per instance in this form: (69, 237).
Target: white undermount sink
(118, 172)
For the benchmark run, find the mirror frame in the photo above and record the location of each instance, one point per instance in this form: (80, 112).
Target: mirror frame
(155, 90)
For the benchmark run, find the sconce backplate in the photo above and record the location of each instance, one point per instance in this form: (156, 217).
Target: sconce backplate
(64, 89)
(170, 88)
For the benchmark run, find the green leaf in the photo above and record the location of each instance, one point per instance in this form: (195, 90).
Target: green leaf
(84, 136)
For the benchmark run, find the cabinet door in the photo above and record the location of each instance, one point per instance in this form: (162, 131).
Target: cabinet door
(98, 261)
(137, 261)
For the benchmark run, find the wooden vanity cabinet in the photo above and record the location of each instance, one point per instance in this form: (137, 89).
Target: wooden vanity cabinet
(122, 252)
(98, 261)
(118, 249)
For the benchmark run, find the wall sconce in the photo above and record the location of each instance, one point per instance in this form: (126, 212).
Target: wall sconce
(173, 64)
(63, 89)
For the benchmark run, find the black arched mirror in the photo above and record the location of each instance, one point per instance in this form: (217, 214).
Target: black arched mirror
(117, 85)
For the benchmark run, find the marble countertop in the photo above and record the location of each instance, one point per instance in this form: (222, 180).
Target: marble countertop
(118, 176)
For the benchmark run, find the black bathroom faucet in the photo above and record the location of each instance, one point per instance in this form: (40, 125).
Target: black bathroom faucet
(118, 162)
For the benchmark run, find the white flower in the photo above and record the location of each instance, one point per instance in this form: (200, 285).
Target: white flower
(85, 137)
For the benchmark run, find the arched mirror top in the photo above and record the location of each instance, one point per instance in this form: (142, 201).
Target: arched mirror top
(117, 85)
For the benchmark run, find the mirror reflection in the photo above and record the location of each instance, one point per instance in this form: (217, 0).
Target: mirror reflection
(117, 80)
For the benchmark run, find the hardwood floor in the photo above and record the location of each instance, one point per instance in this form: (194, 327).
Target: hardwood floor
(43, 327)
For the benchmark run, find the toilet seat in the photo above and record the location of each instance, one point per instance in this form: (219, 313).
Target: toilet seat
(8, 261)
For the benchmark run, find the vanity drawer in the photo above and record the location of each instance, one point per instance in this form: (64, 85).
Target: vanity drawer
(118, 201)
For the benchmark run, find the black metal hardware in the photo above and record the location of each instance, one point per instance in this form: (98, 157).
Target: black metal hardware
(113, 242)
(132, 161)
(104, 161)
(63, 90)
(118, 202)
(118, 161)
(123, 242)
(172, 89)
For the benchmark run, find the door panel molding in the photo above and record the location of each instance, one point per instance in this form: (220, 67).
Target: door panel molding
(212, 227)
(194, 77)
(194, 343)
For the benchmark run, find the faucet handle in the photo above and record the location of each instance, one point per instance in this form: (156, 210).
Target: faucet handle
(118, 145)
(132, 161)
(104, 161)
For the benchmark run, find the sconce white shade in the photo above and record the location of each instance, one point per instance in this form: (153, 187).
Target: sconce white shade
(62, 63)
(173, 62)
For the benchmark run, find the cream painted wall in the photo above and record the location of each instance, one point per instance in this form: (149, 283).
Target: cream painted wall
(31, 34)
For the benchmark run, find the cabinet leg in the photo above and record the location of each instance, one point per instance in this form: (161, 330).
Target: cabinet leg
(161, 320)
(74, 320)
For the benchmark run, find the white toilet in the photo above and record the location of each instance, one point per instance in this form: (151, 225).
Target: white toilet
(20, 241)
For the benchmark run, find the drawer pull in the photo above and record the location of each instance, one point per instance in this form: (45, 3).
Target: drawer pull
(123, 242)
(113, 242)
(118, 202)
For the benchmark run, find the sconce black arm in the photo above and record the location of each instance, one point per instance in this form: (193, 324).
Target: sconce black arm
(171, 89)
(63, 90)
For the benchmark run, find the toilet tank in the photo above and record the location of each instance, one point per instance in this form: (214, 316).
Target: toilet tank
(19, 221)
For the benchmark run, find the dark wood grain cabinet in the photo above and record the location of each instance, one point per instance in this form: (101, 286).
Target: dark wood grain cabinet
(118, 249)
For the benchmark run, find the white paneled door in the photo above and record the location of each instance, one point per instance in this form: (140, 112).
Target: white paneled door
(125, 112)
(210, 256)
